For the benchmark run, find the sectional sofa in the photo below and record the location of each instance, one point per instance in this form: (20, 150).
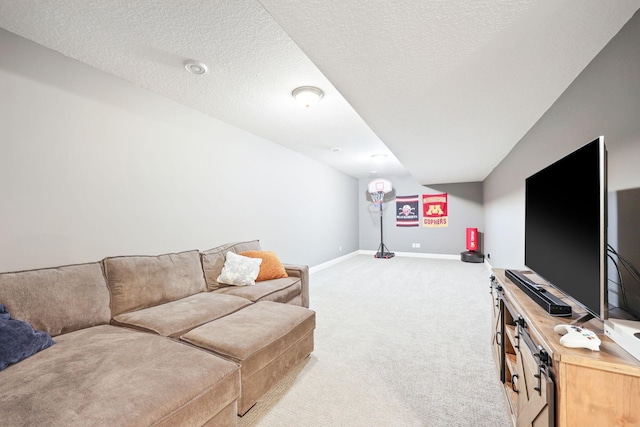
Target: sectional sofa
(158, 340)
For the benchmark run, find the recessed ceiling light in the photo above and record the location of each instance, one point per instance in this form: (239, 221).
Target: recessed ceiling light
(336, 149)
(378, 156)
(307, 95)
(195, 67)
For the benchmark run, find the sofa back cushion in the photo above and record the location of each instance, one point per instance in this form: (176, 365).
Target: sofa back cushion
(57, 300)
(213, 260)
(138, 282)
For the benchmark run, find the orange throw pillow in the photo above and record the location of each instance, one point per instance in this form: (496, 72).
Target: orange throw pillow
(271, 267)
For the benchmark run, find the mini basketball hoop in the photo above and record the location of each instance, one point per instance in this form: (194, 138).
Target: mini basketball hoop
(377, 189)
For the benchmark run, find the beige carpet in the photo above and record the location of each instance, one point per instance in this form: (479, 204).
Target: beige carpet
(398, 342)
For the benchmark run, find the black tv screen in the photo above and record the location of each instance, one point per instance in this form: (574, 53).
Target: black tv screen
(565, 226)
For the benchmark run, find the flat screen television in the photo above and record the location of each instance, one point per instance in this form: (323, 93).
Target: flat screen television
(566, 226)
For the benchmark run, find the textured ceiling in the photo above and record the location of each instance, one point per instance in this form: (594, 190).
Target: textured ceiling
(444, 88)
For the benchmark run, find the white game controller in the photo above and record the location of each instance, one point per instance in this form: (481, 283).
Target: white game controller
(577, 337)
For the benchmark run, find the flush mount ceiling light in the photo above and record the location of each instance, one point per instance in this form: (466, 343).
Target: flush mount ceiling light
(195, 67)
(307, 95)
(378, 157)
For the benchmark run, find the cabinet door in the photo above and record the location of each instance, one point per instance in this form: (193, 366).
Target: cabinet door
(535, 391)
(497, 337)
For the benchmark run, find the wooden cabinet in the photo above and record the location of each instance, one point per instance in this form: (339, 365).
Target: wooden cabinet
(547, 384)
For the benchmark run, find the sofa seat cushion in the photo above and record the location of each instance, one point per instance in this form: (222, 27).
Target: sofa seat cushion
(278, 290)
(108, 376)
(137, 282)
(174, 318)
(266, 339)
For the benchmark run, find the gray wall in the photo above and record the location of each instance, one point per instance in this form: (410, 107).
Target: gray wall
(464, 208)
(92, 166)
(603, 100)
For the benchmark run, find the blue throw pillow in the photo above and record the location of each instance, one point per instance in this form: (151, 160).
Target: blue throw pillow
(18, 339)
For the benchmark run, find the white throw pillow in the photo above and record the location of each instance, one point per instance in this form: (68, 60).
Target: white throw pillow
(239, 270)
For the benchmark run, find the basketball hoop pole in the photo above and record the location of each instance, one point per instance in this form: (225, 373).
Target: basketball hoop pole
(377, 189)
(383, 251)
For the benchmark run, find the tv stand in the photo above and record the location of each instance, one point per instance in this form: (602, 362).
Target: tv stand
(547, 384)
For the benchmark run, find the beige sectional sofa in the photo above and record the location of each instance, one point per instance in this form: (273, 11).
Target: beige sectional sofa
(152, 340)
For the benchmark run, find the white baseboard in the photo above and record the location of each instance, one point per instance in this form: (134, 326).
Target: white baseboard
(334, 261)
(489, 266)
(329, 263)
(416, 255)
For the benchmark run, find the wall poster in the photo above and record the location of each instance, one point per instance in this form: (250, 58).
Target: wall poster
(434, 210)
(407, 211)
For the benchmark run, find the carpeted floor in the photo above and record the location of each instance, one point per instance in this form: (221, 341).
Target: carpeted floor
(398, 342)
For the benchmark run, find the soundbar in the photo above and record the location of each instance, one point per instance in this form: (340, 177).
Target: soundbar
(554, 305)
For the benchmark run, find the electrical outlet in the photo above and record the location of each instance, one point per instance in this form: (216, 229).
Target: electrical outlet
(489, 255)
(340, 248)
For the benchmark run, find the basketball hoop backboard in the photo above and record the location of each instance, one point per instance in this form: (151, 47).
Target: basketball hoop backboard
(380, 185)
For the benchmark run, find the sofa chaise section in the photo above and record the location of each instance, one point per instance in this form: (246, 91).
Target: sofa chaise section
(168, 295)
(267, 339)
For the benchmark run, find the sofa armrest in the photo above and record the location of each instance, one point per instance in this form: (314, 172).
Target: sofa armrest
(301, 271)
